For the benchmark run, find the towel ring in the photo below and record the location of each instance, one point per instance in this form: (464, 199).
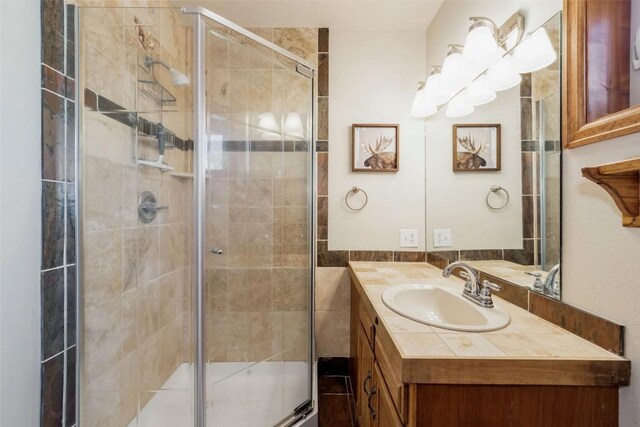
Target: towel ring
(494, 189)
(356, 190)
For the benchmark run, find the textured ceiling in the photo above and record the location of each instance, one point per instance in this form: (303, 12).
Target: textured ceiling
(358, 14)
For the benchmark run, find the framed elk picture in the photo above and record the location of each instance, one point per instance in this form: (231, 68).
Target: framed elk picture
(476, 148)
(375, 148)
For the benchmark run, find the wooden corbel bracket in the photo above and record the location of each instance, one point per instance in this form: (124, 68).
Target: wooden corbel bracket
(622, 181)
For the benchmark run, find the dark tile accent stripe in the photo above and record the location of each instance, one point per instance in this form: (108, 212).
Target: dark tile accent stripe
(323, 217)
(323, 40)
(52, 225)
(52, 308)
(602, 332)
(530, 146)
(53, 136)
(322, 146)
(71, 38)
(481, 254)
(323, 119)
(409, 256)
(71, 292)
(327, 258)
(53, 80)
(525, 85)
(52, 392)
(385, 256)
(71, 387)
(323, 74)
(436, 260)
(53, 33)
(323, 174)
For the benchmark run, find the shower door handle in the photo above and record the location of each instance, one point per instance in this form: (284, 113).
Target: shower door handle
(216, 251)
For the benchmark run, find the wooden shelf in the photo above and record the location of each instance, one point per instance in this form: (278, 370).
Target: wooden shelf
(622, 181)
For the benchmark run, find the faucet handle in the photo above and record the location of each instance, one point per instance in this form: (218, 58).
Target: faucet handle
(467, 277)
(489, 285)
(537, 285)
(531, 273)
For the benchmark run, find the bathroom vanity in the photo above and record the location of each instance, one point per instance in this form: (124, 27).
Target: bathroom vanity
(530, 373)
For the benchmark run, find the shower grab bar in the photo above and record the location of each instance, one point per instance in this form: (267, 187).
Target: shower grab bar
(238, 29)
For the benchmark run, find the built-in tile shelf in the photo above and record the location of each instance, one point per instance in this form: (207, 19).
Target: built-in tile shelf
(622, 181)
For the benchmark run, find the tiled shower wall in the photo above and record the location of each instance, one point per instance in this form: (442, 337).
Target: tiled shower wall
(58, 277)
(136, 281)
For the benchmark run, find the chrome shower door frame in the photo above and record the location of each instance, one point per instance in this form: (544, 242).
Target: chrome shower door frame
(200, 250)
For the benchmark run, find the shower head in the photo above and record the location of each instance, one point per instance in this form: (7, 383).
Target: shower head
(178, 78)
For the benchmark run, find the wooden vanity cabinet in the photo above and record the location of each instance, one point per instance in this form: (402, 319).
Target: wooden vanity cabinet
(383, 400)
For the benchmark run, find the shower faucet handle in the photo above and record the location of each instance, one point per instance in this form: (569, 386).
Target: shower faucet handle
(216, 251)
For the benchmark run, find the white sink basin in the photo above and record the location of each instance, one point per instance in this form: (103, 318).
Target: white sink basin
(443, 307)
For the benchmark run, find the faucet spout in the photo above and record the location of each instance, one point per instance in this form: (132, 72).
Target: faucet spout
(471, 276)
(549, 283)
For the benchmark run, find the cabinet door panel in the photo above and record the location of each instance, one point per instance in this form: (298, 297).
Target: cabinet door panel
(365, 379)
(386, 415)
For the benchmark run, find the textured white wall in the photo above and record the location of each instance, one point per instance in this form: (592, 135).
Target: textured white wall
(373, 78)
(19, 213)
(601, 259)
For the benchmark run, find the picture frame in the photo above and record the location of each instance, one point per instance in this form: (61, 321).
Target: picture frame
(476, 147)
(375, 148)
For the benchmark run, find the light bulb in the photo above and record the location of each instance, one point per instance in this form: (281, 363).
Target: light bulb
(534, 53)
(267, 122)
(293, 124)
(479, 92)
(502, 75)
(459, 106)
(456, 73)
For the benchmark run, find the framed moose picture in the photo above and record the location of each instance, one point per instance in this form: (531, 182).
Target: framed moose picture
(476, 148)
(375, 148)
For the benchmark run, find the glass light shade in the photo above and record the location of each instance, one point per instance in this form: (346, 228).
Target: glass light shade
(480, 48)
(480, 92)
(455, 74)
(502, 75)
(434, 90)
(267, 122)
(421, 108)
(534, 53)
(293, 124)
(459, 106)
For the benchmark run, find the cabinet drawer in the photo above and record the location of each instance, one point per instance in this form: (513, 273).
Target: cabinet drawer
(367, 323)
(397, 390)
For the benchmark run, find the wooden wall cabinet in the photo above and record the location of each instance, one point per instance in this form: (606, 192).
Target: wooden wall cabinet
(596, 72)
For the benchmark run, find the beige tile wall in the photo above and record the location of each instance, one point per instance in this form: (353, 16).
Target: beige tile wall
(136, 277)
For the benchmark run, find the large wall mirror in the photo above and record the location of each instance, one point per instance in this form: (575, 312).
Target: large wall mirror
(602, 70)
(493, 180)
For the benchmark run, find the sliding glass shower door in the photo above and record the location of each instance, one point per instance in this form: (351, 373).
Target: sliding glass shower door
(257, 330)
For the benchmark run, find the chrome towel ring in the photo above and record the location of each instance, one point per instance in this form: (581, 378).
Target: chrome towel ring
(356, 190)
(494, 190)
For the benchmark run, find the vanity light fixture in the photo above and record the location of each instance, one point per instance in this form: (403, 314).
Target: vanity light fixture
(503, 76)
(480, 91)
(269, 126)
(534, 53)
(459, 106)
(456, 73)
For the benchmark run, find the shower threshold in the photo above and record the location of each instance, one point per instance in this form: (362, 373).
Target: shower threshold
(239, 394)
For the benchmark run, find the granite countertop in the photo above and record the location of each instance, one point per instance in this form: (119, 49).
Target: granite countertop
(529, 350)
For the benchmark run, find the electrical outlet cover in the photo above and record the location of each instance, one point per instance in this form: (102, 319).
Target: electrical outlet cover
(441, 237)
(408, 238)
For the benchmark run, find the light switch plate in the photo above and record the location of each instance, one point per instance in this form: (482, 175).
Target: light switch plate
(408, 238)
(441, 237)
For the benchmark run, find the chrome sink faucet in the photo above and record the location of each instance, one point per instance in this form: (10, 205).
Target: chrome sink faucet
(472, 290)
(549, 282)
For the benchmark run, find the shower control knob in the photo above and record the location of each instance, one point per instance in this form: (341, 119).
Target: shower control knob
(216, 251)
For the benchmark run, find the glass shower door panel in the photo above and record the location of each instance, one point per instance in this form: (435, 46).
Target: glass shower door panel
(257, 329)
(136, 331)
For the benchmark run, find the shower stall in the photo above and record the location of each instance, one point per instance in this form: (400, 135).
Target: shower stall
(195, 201)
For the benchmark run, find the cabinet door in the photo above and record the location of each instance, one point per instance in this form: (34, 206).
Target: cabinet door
(385, 414)
(365, 379)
